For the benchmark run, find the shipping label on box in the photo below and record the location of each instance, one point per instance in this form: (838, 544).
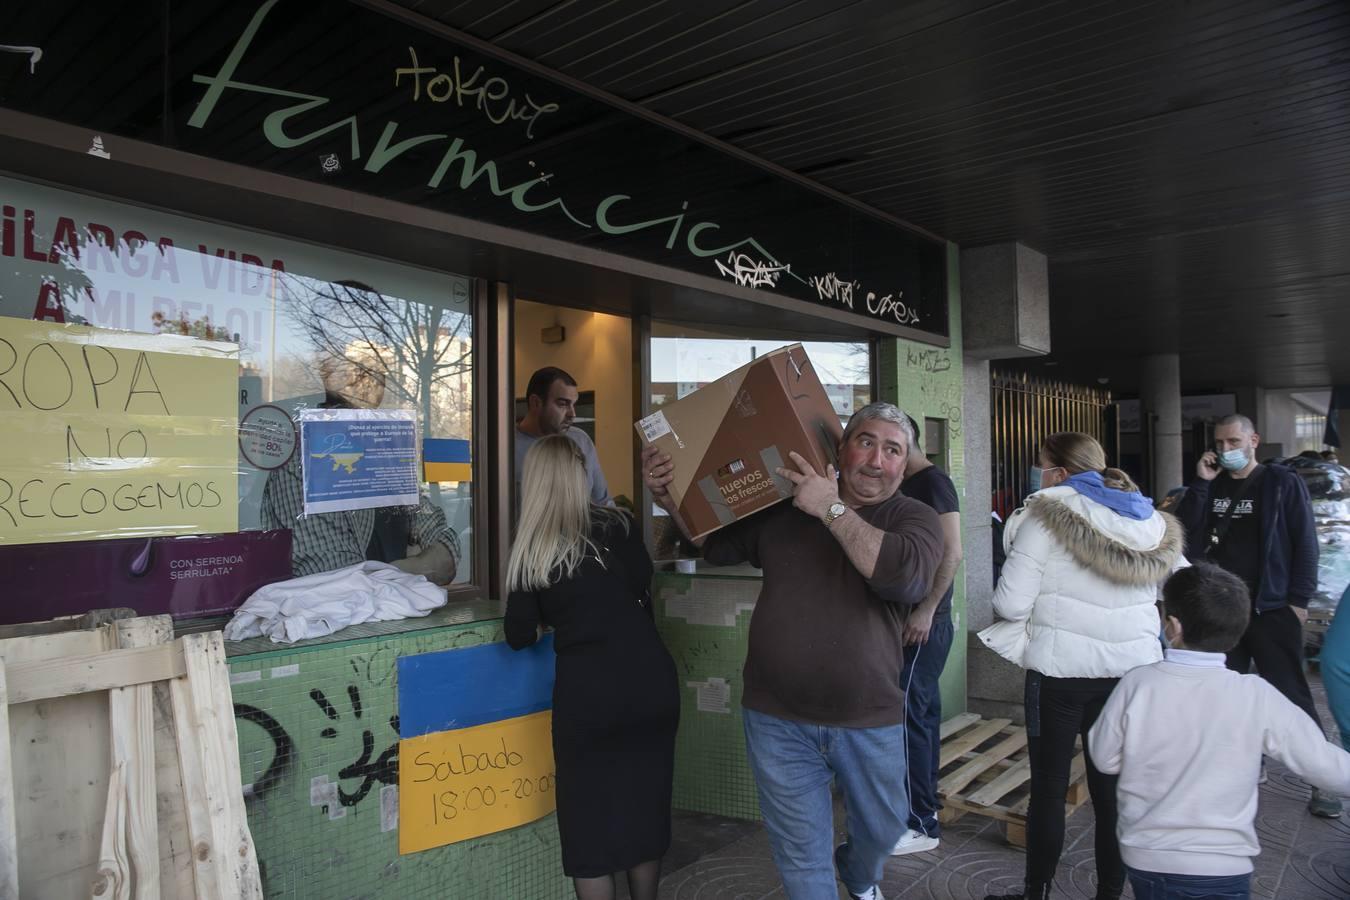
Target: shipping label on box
(728, 438)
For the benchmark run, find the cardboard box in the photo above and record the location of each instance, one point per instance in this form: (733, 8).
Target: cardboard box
(728, 437)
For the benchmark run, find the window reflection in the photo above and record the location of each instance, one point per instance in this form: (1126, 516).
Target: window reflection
(315, 327)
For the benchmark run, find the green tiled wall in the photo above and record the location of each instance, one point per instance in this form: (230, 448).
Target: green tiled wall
(926, 382)
(316, 727)
(705, 623)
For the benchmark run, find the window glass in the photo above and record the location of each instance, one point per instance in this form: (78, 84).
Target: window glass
(682, 365)
(305, 328)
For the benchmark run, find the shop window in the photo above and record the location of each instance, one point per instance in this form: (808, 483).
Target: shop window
(303, 328)
(683, 360)
(1309, 429)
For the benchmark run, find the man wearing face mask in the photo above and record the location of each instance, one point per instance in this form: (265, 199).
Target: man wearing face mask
(1256, 521)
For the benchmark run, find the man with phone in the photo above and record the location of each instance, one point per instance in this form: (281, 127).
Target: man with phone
(1256, 521)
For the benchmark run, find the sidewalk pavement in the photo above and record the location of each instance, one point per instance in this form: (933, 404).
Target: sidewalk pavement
(1303, 857)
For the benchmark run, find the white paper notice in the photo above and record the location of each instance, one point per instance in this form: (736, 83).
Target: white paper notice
(707, 610)
(654, 426)
(713, 695)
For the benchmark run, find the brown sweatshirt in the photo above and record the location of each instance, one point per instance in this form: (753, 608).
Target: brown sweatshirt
(826, 644)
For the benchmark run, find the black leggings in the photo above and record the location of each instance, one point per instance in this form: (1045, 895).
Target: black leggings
(1058, 711)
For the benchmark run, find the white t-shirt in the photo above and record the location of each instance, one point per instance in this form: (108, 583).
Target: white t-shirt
(1186, 736)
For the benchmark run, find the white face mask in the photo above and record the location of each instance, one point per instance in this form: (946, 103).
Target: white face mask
(1234, 460)
(1034, 480)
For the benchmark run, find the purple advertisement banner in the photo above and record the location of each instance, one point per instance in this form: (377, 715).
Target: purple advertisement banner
(186, 577)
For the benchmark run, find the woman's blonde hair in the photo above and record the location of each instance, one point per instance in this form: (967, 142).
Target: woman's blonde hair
(1078, 453)
(556, 516)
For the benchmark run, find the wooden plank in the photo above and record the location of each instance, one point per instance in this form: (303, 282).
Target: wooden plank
(59, 818)
(1000, 813)
(87, 622)
(995, 790)
(131, 714)
(112, 881)
(1016, 834)
(9, 837)
(245, 857)
(214, 785)
(205, 875)
(49, 678)
(969, 740)
(58, 646)
(957, 780)
(955, 724)
(175, 847)
(1078, 792)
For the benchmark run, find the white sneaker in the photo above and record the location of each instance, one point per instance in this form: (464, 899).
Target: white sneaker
(914, 842)
(872, 893)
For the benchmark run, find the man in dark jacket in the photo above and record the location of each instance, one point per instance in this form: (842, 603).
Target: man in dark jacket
(1256, 521)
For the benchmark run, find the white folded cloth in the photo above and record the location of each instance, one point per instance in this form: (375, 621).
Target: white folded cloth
(318, 605)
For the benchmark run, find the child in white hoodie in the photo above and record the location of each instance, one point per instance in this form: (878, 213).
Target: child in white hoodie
(1186, 736)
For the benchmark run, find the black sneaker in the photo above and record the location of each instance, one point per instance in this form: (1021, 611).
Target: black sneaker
(1328, 806)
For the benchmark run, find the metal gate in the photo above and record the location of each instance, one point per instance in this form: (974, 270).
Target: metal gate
(1026, 409)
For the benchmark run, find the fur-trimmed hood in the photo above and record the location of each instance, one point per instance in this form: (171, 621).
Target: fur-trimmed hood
(1122, 550)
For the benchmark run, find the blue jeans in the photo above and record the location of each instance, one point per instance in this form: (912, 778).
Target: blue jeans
(793, 764)
(1161, 886)
(923, 719)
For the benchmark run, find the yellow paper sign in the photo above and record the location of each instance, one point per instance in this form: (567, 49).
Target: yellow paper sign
(456, 785)
(115, 434)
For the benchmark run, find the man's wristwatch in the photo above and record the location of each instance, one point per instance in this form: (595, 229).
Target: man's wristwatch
(836, 510)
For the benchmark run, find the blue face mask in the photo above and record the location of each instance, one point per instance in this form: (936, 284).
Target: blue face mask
(1034, 481)
(1233, 460)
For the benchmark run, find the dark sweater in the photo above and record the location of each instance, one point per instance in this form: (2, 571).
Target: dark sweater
(1289, 546)
(826, 644)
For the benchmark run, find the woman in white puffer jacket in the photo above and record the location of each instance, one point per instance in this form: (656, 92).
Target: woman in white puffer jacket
(1077, 607)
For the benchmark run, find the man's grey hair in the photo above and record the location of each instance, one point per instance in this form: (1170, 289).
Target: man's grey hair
(1237, 419)
(881, 411)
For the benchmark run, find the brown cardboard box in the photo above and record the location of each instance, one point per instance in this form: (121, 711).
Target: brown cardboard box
(728, 437)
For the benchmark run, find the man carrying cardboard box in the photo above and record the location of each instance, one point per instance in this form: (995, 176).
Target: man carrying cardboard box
(822, 701)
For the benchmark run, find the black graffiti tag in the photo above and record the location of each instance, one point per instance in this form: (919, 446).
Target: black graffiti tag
(382, 769)
(283, 748)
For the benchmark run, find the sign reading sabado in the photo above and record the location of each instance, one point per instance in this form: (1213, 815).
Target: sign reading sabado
(115, 434)
(455, 785)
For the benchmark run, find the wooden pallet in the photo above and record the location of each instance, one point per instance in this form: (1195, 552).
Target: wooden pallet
(984, 770)
(122, 744)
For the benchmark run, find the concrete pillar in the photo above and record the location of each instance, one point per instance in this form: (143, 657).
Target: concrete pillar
(977, 532)
(993, 685)
(1161, 402)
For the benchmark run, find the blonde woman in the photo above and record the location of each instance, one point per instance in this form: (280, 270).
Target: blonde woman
(583, 569)
(1077, 596)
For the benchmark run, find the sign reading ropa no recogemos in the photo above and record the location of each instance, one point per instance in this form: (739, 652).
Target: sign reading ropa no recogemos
(114, 434)
(358, 459)
(366, 102)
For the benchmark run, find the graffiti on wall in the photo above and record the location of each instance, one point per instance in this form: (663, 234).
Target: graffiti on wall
(938, 386)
